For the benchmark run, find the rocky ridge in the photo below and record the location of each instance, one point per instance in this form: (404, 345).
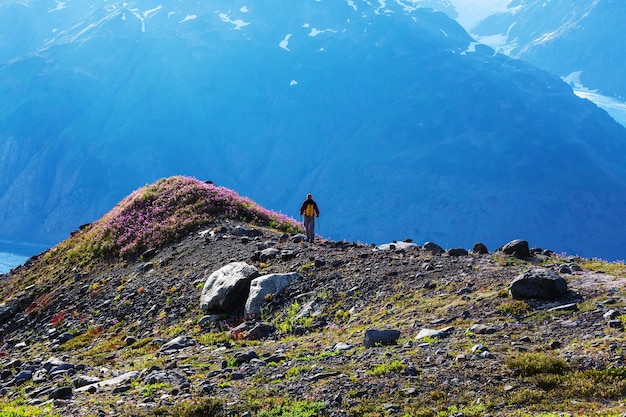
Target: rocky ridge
(395, 329)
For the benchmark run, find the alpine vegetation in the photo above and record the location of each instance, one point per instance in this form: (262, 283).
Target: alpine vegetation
(164, 211)
(189, 300)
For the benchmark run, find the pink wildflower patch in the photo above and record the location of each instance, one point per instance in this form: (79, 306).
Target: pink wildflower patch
(170, 208)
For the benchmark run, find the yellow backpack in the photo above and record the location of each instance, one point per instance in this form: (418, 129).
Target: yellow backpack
(310, 210)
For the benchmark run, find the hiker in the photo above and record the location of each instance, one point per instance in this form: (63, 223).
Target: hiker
(310, 211)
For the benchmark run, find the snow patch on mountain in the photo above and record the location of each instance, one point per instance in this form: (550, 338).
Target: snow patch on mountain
(472, 12)
(238, 23)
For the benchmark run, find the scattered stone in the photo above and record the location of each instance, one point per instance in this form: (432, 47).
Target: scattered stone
(145, 267)
(21, 377)
(243, 357)
(380, 337)
(176, 344)
(262, 286)
(64, 337)
(298, 238)
(396, 246)
(538, 283)
(565, 307)
(7, 312)
(555, 344)
(209, 319)
(61, 393)
(342, 347)
(323, 375)
(565, 269)
(83, 380)
(227, 288)
(518, 248)
(252, 331)
(275, 358)
(437, 334)
(433, 248)
(481, 329)
(117, 381)
(457, 252)
(269, 253)
(286, 255)
(149, 254)
(480, 248)
(479, 348)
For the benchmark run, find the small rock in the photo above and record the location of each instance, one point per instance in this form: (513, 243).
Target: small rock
(479, 348)
(437, 334)
(342, 347)
(380, 337)
(433, 248)
(176, 344)
(323, 375)
(518, 248)
(457, 252)
(61, 393)
(480, 249)
(481, 329)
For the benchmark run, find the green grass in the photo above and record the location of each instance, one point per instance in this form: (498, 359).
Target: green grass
(298, 409)
(528, 364)
(13, 409)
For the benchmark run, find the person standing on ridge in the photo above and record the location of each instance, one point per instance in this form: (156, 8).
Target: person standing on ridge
(310, 211)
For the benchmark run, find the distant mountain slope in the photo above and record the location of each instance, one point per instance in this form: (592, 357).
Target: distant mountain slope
(583, 39)
(391, 115)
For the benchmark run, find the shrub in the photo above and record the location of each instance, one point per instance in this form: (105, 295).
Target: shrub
(299, 409)
(514, 307)
(529, 364)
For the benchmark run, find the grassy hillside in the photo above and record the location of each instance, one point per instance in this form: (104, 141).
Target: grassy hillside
(104, 308)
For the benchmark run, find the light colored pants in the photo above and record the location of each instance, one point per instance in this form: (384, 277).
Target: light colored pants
(309, 225)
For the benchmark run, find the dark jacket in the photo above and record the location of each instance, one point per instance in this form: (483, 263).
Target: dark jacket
(306, 203)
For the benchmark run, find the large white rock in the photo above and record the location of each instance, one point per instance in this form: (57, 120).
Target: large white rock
(227, 288)
(262, 286)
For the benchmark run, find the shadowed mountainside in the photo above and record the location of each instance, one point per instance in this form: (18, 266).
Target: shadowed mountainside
(398, 122)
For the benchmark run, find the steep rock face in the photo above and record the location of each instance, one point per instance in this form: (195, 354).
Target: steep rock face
(392, 116)
(561, 36)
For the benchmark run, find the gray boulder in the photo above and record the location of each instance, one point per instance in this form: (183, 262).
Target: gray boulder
(269, 253)
(262, 286)
(457, 252)
(252, 331)
(7, 312)
(518, 248)
(397, 246)
(298, 238)
(436, 334)
(480, 248)
(177, 344)
(538, 283)
(113, 382)
(227, 288)
(380, 337)
(433, 248)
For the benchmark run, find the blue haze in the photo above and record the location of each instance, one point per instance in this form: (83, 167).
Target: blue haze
(394, 118)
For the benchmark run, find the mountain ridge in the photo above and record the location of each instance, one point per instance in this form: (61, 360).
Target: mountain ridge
(390, 114)
(125, 335)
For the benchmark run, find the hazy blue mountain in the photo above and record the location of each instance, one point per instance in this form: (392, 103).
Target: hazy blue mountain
(581, 40)
(398, 123)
